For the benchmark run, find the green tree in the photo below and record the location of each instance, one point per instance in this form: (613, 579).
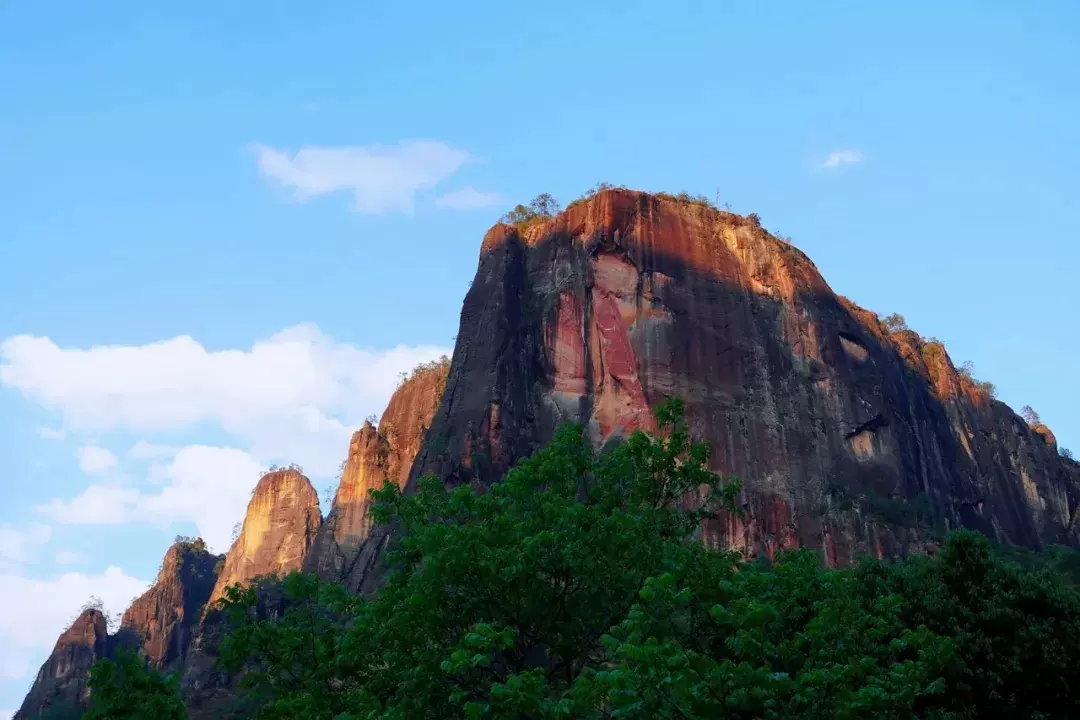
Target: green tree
(542, 207)
(895, 323)
(125, 687)
(578, 588)
(488, 588)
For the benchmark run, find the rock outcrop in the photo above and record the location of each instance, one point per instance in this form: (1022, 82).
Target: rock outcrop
(166, 617)
(279, 528)
(61, 688)
(848, 438)
(375, 455)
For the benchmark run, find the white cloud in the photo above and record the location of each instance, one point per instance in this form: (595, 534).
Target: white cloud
(96, 505)
(842, 157)
(208, 486)
(36, 612)
(381, 178)
(95, 460)
(293, 397)
(143, 450)
(50, 434)
(21, 545)
(467, 198)
(67, 557)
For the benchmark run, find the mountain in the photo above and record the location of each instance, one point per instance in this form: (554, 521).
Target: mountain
(282, 531)
(61, 684)
(851, 434)
(375, 455)
(279, 528)
(166, 617)
(849, 437)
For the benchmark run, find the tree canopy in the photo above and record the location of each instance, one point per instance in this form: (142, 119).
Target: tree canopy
(578, 588)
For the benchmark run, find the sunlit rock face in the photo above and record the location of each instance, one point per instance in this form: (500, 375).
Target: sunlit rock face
(279, 529)
(166, 617)
(375, 456)
(848, 438)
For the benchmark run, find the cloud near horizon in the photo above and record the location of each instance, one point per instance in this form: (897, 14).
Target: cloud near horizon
(842, 157)
(36, 610)
(381, 178)
(295, 397)
(468, 198)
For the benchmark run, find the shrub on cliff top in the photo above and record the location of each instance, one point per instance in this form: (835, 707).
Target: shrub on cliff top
(895, 323)
(542, 207)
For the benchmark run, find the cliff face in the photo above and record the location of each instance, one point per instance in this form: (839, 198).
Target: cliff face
(375, 455)
(166, 617)
(61, 683)
(848, 438)
(279, 528)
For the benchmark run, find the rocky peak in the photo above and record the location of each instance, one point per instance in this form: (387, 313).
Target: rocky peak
(376, 455)
(61, 683)
(849, 438)
(279, 528)
(165, 618)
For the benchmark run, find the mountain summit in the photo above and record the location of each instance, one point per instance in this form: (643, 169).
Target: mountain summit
(852, 435)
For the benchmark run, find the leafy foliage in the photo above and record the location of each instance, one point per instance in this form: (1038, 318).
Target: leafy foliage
(577, 588)
(442, 364)
(1030, 416)
(124, 687)
(895, 323)
(542, 207)
(967, 371)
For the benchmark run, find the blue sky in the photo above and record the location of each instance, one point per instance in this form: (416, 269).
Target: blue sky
(226, 227)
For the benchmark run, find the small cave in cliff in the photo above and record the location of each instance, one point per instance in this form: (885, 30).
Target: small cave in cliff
(854, 347)
(861, 439)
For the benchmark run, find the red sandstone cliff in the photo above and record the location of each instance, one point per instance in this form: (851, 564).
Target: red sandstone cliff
(375, 455)
(61, 683)
(279, 528)
(166, 617)
(848, 438)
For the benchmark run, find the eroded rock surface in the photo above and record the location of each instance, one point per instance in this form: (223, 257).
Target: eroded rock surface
(848, 438)
(61, 683)
(375, 455)
(279, 529)
(166, 617)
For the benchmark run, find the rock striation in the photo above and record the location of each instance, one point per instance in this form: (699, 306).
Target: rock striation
(279, 528)
(375, 455)
(849, 438)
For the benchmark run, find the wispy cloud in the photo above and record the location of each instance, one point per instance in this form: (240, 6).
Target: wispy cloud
(20, 545)
(468, 198)
(35, 610)
(67, 557)
(207, 486)
(95, 460)
(293, 397)
(48, 433)
(842, 157)
(381, 178)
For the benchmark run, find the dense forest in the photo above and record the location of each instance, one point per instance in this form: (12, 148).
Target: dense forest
(578, 588)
